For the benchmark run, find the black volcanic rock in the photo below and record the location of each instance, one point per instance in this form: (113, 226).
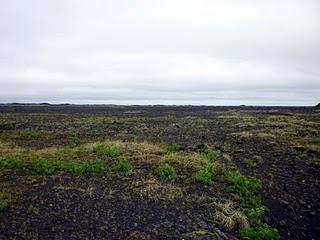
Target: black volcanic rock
(317, 106)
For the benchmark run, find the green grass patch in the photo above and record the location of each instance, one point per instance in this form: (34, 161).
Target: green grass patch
(254, 209)
(74, 141)
(43, 166)
(11, 164)
(107, 151)
(166, 172)
(4, 200)
(172, 148)
(205, 174)
(34, 134)
(122, 166)
(242, 185)
(317, 141)
(211, 155)
(263, 232)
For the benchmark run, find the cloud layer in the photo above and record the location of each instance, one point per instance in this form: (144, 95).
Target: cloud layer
(160, 52)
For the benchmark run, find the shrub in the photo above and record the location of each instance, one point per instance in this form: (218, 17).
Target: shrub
(205, 174)
(122, 166)
(166, 172)
(263, 232)
(4, 200)
(242, 185)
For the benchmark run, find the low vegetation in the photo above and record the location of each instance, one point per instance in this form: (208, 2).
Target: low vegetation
(246, 188)
(122, 166)
(104, 166)
(171, 148)
(205, 174)
(166, 172)
(103, 150)
(4, 200)
(48, 167)
(263, 232)
(242, 185)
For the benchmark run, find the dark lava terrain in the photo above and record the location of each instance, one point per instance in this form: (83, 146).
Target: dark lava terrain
(280, 146)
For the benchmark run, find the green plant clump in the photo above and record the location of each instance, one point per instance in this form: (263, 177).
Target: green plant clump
(12, 164)
(34, 134)
(4, 200)
(44, 166)
(211, 155)
(254, 209)
(107, 151)
(263, 232)
(74, 141)
(317, 141)
(172, 148)
(205, 174)
(166, 172)
(242, 185)
(122, 166)
(49, 167)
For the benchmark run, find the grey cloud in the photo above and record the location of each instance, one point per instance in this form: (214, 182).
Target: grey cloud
(186, 52)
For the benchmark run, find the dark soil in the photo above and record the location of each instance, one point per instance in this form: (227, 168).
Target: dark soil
(288, 168)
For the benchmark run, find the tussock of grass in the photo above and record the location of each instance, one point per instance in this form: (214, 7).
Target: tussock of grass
(242, 185)
(156, 190)
(122, 166)
(4, 200)
(211, 155)
(107, 151)
(74, 141)
(254, 209)
(166, 172)
(172, 148)
(230, 217)
(205, 174)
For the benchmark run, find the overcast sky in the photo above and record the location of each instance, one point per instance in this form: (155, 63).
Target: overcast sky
(212, 52)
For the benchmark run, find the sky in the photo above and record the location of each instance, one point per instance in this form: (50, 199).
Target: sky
(200, 52)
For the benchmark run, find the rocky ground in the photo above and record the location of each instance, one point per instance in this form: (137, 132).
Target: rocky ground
(279, 146)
